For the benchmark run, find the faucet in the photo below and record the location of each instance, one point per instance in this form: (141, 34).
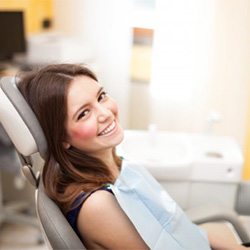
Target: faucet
(152, 132)
(212, 117)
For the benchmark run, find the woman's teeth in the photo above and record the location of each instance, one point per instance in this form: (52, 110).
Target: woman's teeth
(107, 130)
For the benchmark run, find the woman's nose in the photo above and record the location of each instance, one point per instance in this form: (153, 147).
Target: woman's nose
(103, 113)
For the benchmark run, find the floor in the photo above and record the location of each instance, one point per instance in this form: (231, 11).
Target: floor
(17, 237)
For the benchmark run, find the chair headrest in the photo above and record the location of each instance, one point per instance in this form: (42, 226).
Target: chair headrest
(19, 120)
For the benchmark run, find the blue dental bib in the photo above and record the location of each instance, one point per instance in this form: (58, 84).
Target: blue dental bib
(158, 219)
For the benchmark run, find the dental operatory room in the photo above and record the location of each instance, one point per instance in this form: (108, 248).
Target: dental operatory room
(171, 170)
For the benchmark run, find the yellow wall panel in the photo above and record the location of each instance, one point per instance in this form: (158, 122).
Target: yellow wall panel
(35, 11)
(141, 63)
(246, 172)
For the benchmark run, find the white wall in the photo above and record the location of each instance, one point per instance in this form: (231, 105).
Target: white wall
(206, 45)
(203, 65)
(104, 30)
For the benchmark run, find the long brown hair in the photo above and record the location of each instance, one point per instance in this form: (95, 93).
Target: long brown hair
(66, 172)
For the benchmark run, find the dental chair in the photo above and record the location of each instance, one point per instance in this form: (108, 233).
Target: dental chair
(13, 211)
(26, 134)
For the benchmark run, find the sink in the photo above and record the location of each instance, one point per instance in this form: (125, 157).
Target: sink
(195, 169)
(216, 158)
(162, 153)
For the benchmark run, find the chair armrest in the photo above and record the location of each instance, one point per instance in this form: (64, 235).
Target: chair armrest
(242, 204)
(215, 213)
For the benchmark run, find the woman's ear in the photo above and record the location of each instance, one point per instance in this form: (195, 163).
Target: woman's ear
(66, 145)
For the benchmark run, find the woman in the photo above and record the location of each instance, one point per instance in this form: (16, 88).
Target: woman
(81, 124)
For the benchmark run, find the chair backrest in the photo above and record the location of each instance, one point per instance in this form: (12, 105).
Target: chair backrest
(25, 132)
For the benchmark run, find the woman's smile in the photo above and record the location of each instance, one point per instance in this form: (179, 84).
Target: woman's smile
(109, 130)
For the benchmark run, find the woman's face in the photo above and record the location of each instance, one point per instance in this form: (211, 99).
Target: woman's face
(92, 117)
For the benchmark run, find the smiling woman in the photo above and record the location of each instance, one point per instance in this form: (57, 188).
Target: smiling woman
(73, 110)
(93, 187)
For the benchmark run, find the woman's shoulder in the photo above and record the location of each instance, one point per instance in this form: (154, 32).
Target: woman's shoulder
(95, 214)
(101, 221)
(99, 200)
(73, 214)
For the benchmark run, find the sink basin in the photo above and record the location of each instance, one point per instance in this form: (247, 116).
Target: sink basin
(163, 153)
(195, 169)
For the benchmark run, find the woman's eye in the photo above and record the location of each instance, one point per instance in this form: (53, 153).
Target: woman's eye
(84, 113)
(102, 96)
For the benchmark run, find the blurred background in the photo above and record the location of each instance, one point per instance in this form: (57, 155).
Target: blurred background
(183, 65)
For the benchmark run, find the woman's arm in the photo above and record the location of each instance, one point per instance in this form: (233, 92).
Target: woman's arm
(103, 224)
(218, 243)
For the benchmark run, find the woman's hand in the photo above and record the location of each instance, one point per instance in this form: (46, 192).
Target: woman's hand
(218, 243)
